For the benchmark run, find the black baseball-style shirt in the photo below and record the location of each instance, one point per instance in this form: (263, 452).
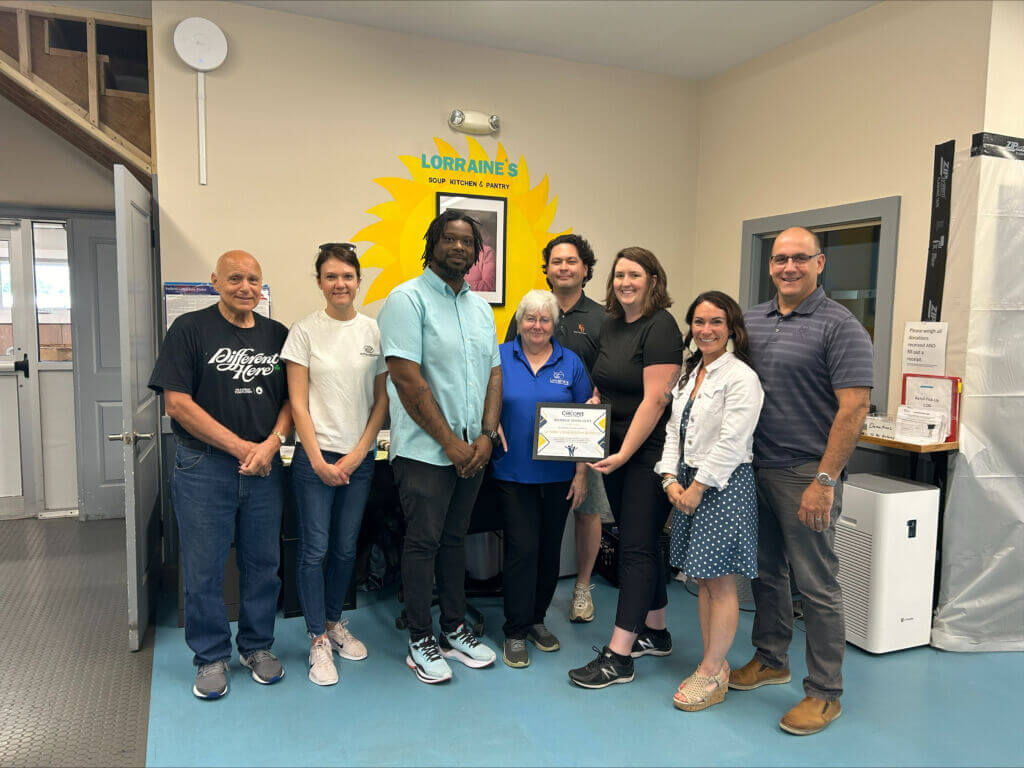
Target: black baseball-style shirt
(232, 373)
(579, 329)
(626, 349)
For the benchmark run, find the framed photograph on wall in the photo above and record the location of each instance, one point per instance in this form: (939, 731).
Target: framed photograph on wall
(487, 276)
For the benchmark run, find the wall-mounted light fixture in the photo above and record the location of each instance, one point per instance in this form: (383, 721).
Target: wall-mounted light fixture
(471, 121)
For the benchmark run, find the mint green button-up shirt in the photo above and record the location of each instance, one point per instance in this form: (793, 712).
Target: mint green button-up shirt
(453, 339)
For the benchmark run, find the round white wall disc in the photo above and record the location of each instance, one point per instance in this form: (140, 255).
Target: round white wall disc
(200, 43)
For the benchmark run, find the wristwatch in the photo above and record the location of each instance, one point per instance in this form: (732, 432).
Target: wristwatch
(824, 478)
(491, 433)
(280, 436)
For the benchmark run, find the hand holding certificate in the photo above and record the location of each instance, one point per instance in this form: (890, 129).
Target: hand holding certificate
(571, 432)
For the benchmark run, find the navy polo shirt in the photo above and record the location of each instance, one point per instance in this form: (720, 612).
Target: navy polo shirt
(801, 359)
(562, 379)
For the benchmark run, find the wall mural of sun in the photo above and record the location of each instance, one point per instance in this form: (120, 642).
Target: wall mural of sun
(397, 237)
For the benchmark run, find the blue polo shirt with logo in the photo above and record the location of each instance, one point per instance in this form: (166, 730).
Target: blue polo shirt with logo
(562, 379)
(801, 359)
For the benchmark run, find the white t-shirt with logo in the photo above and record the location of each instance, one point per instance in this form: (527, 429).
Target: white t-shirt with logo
(343, 357)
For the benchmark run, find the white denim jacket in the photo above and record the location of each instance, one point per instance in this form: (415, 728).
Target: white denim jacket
(720, 432)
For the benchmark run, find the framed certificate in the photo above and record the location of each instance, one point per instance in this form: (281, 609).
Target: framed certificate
(571, 432)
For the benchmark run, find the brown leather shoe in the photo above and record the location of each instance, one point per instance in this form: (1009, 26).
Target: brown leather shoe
(754, 674)
(810, 716)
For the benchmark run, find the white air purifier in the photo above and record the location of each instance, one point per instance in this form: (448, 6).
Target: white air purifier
(885, 541)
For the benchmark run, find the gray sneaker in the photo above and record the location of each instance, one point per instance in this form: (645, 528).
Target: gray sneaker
(513, 652)
(211, 680)
(541, 637)
(266, 669)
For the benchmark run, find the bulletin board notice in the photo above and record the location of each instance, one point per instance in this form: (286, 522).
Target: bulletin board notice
(180, 298)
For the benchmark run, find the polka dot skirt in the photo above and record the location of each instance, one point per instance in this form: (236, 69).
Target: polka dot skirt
(720, 538)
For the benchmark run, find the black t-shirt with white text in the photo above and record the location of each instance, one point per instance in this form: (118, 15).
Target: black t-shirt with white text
(626, 349)
(232, 373)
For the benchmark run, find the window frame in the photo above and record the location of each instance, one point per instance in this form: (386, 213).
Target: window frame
(886, 212)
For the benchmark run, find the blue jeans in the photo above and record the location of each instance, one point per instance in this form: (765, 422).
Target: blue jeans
(329, 520)
(215, 504)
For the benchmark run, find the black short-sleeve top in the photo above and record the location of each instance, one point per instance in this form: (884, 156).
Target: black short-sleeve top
(625, 350)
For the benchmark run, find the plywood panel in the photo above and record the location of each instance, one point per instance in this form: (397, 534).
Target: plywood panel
(68, 74)
(129, 116)
(9, 34)
(60, 465)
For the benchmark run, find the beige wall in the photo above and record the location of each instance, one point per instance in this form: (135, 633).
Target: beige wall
(850, 113)
(306, 113)
(1004, 102)
(38, 167)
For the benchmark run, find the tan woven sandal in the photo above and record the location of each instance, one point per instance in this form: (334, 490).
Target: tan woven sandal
(694, 696)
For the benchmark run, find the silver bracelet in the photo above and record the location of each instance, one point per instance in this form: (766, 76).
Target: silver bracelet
(667, 481)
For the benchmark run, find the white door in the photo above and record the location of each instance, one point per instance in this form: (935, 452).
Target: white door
(140, 407)
(21, 478)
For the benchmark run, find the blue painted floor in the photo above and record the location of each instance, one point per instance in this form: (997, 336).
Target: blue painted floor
(910, 708)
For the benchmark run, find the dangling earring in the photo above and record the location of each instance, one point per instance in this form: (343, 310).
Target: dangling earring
(693, 346)
(729, 346)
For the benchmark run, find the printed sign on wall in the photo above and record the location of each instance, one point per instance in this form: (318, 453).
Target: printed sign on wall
(496, 191)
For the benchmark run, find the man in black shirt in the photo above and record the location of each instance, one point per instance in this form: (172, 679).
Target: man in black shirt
(569, 264)
(227, 395)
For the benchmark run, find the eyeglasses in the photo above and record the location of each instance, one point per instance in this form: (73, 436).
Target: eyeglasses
(779, 260)
(332, 246)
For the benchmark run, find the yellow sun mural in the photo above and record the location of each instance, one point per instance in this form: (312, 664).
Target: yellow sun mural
(398, 235)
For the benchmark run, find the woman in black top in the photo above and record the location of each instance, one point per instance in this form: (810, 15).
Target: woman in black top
(637, 364)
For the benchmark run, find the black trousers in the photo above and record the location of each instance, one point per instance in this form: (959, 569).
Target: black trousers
(438, 505)
(534, 519)
(640, 509)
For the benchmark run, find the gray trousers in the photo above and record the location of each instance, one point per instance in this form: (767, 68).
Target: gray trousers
(784, 542)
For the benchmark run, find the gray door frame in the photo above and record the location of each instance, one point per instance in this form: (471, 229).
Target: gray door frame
(76, 219)
(26, 343)
(884, 209)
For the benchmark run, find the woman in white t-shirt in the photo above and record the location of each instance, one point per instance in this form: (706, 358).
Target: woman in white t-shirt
(336, 386)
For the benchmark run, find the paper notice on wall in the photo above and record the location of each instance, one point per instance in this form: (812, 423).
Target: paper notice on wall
(180, 298)
(924, 348)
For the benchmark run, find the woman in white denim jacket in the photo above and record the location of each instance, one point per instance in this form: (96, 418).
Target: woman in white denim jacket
(707, 474)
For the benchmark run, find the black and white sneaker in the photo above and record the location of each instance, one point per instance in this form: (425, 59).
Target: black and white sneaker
(607, 669)
(650, 643)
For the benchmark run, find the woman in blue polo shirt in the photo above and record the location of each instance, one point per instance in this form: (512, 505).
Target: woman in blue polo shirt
(535, 496)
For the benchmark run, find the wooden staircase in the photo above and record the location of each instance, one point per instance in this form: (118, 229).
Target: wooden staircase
(67, 90)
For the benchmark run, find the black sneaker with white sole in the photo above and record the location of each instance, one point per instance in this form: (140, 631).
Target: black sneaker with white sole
(650, 643)
(607, 669)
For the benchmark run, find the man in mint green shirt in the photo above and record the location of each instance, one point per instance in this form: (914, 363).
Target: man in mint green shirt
(441, 348)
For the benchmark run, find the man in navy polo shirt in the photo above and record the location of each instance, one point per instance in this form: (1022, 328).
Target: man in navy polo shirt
(815, 362)
(568, 266)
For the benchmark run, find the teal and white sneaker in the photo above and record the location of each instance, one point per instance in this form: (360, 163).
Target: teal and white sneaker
(425, 660)
(462, 645)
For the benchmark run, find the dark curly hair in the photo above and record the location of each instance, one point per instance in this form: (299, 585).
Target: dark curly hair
(586, 254)
(436, 229)
(657, 293)
(734, 321)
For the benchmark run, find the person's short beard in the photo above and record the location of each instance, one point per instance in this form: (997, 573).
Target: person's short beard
(447, 273)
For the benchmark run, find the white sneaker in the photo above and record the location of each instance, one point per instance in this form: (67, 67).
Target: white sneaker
(345, 643)
(582, 608)
(321, 663)
(462, 645)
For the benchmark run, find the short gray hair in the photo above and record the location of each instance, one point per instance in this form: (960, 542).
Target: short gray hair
(534, 300)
